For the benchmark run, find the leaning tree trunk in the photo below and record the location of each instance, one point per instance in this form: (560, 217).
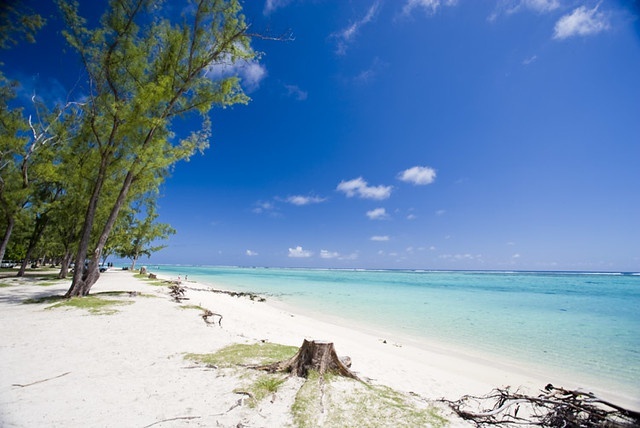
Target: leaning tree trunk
(315, 355)
(38, 230)
(7, 234)
(82, 286)
(64, 265)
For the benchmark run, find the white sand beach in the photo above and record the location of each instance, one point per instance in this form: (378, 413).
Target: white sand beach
(65, 367)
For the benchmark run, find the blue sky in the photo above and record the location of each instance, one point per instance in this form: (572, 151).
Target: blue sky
(427, 134)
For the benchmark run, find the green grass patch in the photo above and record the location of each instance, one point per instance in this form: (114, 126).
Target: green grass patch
(150, 281)
(197, 307)
(93, 304)
(263, 386)
(343, 402)
(243, 355)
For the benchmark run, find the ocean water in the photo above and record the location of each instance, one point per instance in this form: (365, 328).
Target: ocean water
(585, 326)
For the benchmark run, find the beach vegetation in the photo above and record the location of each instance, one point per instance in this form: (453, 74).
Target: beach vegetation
(340, 401)
(93, 304)
(245, 355)
(150, 281)
(262, 387)
(147, 71)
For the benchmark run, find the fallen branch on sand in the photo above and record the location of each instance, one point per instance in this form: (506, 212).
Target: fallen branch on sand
(188, 418)
(176, 291)
(40, 381)
(554, 407)
(208, 314)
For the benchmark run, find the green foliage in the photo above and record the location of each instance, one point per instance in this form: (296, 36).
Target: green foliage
(18, 22)
(134, 237)
(242, 355)
(148, 70)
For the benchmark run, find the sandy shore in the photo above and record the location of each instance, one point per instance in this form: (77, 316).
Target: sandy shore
(68, 368)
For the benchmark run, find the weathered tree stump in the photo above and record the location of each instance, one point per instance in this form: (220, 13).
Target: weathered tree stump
(315, 355)
(153, 276)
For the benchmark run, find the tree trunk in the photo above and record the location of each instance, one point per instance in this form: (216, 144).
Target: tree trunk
(316, 355)
(77, 284)
(82, 286)
(38, 230)
(7, 234)
(64, 265)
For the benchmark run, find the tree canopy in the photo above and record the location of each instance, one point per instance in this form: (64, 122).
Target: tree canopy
(149, 68)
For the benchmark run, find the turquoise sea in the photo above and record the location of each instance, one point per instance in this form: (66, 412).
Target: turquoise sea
(583, 326)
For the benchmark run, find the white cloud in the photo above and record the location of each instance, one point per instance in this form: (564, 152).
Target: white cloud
(359, 187)
(429, 6)
(304, 200)
(378, 214)
(251, 73)
(441, 212)
(326, 254)
(516, 256)
(251, 253)
(458, 257)
(262, 207)
(271, 5)
(412, 217)
(581, 22)
(529, 60)
(295, 92)
(418, 175)
(298, 252)
(384, 238)
(346, 36)
(509, 7)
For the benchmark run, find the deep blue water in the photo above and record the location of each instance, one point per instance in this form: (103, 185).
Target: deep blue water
(583, 325)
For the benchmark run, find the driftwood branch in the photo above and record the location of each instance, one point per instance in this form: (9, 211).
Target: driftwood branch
(208, 314)
(554, 407)
(40, 381)
(176, 291)
(188, 418)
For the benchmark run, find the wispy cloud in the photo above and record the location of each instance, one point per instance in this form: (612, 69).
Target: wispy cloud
(251, 253)
(262, 207)
(418, 175)
(378, 214)
(298, 252)
(529, 60)
(459, 257)
(271, 5)
(429, 6)
(359, 187)
(326, 254)
(296, 93)
(379, 238)
(346, 36)
(304, 200)
(508, 7)
(369, 74)
(581, 22)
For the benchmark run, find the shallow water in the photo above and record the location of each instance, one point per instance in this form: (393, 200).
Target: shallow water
(583, 325)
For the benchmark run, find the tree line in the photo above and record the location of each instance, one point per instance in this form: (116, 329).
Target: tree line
(79, 179)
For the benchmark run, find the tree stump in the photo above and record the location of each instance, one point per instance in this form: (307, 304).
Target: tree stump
(313, 355)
